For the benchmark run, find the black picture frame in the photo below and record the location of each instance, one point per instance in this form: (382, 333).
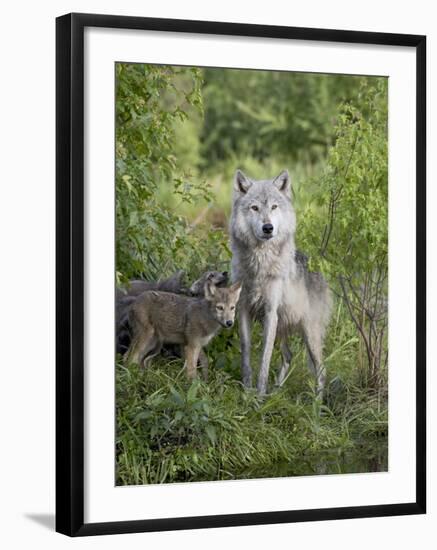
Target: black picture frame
(70, 273)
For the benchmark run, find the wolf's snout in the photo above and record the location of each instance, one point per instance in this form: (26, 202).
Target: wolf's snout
(229, 323)
(268, 228)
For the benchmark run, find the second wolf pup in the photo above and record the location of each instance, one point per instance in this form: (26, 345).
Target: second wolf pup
(159, 318)
(175, 284)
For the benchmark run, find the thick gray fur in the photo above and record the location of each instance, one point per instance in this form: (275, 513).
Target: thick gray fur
(172, 284)
(277, 287)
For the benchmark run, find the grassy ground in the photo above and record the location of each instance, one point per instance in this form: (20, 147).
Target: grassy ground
(169, 430)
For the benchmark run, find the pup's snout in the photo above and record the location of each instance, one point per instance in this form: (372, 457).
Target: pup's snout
(267, 228)
(224, 273)
(229, 323)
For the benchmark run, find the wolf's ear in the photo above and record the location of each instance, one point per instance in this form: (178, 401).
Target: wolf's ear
(241, 182)
(210, 290)
(283, 183)
(236, 289)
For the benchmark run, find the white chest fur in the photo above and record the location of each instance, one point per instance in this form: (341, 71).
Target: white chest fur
(266, 272)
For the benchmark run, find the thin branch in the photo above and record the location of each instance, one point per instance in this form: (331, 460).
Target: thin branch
(355, 320)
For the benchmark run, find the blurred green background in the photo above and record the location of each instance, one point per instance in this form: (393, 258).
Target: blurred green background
(258, 121)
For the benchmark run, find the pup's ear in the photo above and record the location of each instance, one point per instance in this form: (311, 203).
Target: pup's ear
(241, 182)
(283, 183)
(210, 290)
(236, 289)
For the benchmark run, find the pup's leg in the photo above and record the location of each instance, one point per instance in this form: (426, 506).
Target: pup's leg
(287, 356)
(270, 326)
(203, 359)
(245, 341)
(152, 350)
(135, 350)
(142, 344)
(192, 352)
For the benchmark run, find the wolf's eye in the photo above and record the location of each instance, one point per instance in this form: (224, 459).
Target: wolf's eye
(274, 206)
(232, 308)
(255, 207)
(220, 308)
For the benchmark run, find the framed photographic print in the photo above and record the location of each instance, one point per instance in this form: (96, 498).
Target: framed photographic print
(240, 274)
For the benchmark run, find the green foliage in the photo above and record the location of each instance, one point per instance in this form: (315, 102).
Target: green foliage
(151, 240)
(169, 430)
(268, 114)
(351, 245)
(352, 194)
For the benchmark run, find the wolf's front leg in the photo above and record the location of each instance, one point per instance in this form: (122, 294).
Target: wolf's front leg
(270, 326)
(245, 336)
(287, 356)
(203, 360)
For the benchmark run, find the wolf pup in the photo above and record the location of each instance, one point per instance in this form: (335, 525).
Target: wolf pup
(277, 287)
(159, 318)
(124, 298)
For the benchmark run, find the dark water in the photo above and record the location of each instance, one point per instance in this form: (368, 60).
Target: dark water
(362, 458)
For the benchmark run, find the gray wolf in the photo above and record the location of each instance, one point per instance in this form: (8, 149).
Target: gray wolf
(159, 318)
(277, 289)
(126, 295)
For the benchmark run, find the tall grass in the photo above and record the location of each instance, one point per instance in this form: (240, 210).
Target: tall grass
(170, 430)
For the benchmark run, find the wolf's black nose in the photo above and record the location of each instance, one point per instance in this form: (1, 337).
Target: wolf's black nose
(225, 273)
(267, 228)
(229, 323)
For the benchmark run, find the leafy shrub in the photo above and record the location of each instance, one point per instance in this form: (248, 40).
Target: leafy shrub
(345, 223)
(151, 240)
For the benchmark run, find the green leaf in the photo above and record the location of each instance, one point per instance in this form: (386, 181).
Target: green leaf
(144, 415)
(176, 396)
(192, 392)
(211, 433)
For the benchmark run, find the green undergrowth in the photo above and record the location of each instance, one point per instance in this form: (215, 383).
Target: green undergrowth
(171, 430)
